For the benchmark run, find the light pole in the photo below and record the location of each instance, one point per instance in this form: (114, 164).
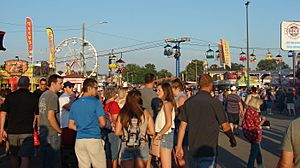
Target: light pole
(196, 72)
(177, 52)
(83, 66)
(247, 32)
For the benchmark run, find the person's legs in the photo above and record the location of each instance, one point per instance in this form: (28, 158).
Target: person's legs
(95, 149)
(140, 163)
(166, 150)
(259, 159)
(253, 155)
(82, 155)
(24, 162)
(127, 163)
(165, 156)
(14, 161)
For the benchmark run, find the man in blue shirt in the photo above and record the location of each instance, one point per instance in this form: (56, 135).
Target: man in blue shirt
(86, 117)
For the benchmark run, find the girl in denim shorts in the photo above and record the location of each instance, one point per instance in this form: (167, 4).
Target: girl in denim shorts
(164, 123)
(133, 124)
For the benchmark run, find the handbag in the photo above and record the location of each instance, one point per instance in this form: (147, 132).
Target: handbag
(155, 147)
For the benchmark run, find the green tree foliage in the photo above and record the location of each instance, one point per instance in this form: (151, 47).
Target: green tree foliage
(163, 73)
(236, 66)
(190, 70)
(269, 65)
(135, 73)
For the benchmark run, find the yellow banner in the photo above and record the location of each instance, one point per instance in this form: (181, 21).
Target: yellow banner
(226, 52)
(52, 47)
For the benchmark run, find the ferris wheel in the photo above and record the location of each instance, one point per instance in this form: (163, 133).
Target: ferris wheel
(70, 57)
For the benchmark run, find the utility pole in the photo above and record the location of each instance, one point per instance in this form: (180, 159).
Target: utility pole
(83, 69)
(247, 31)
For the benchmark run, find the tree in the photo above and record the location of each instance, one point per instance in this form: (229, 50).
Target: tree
(190, 70)
(237, 67)
(269, 65)
(150, 68)
(163, 73)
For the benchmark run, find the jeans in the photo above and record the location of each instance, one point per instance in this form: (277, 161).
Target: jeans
(202, 162)
(255, 154)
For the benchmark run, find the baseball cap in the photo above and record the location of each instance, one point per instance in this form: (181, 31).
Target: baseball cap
(233, 88)
(68, 84)
(23, 81)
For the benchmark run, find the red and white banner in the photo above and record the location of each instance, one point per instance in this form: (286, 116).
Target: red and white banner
(29, 36)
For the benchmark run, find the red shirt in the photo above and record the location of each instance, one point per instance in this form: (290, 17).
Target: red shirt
(251, 129)
(112, 108)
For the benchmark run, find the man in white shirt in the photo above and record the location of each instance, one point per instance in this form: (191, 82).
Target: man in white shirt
(68, 136)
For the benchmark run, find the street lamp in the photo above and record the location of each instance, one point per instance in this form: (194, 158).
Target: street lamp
(176, 52)
(247, 32)
(84, 44)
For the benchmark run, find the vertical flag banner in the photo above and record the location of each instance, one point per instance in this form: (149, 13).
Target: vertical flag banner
(2, 33)
(225, 52)
(29, 36)
(52, 47)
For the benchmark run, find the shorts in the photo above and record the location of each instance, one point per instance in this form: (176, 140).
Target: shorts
(68, 137)
(269, 104)
(167, 140)
(233, 118)
(21, 145)
(290, 106)
(112, 144)
(134, 153)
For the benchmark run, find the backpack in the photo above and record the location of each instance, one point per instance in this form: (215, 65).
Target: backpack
(132, 135)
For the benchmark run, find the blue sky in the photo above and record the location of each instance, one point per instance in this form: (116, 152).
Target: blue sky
(133, 22)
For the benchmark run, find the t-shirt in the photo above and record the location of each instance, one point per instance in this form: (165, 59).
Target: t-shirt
(291, 141)
(148, 94)
(38, 93)
(203, 115)
(112, 108)
(64, 113)
(48, 101)
(20, 107)
(233, 101)
(86, 112)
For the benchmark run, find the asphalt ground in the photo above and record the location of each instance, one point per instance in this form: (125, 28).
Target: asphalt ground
(271, 145)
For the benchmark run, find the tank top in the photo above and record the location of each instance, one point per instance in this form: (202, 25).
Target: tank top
(160, 120)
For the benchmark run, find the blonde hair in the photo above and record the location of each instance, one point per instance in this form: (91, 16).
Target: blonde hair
(122, 92)
(110, 92)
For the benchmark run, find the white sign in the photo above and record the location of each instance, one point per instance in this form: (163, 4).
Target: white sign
(290, 35)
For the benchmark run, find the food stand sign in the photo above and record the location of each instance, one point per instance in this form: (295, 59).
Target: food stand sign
(290, 35)
(16, 67)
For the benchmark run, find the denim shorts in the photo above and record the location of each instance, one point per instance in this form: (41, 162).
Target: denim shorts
(167, 140)
(112, 144)
(133, 153)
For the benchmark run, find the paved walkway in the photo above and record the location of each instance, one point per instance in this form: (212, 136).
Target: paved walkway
(237, 157)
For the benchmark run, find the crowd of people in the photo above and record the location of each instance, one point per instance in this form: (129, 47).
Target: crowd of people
(117, 127)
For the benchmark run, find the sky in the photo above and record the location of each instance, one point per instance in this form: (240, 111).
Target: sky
(143, 24)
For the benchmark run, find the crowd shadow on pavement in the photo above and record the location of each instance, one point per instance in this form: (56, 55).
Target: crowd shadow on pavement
(227, 159)
(266, 144)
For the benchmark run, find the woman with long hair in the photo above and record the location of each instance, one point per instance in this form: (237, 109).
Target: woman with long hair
(133, 124)
(251, 125)
(164, 123)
